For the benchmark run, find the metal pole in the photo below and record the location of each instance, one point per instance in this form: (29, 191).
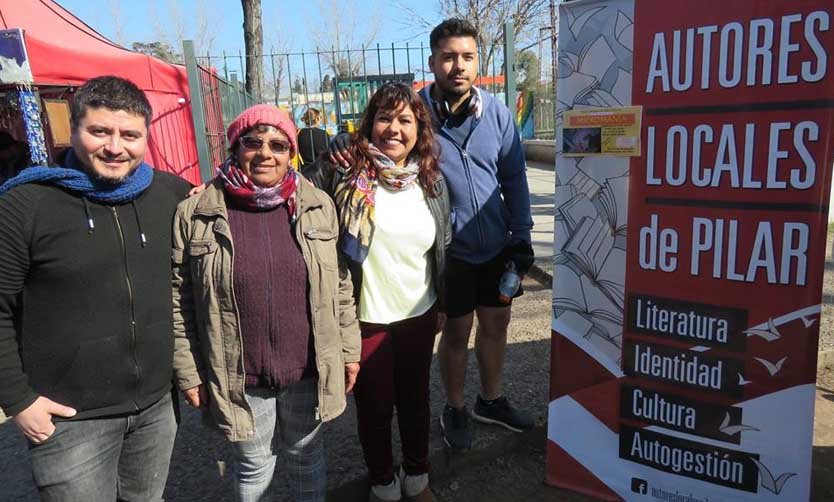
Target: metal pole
(225, 68)
(242, 68)
(304, 83)
(321, 91)
(554, 60)
(289, 79)
(407, 59)
(274, 77)
(352, 93)
(237, 94)
(197, 112)
(423, 62)
(393, 59)
(509, 67)
(364, 65)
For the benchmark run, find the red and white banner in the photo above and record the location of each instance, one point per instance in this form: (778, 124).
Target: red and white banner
(688, 279)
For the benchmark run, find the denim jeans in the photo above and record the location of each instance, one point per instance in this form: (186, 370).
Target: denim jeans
(287, 415)
(106, 459)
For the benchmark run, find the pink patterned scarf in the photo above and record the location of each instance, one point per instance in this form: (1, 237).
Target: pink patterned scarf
(251, 196)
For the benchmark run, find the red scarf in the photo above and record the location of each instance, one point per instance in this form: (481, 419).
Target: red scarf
(251, 196)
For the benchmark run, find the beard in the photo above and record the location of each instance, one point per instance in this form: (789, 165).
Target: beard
(109, 180)
(450, 90)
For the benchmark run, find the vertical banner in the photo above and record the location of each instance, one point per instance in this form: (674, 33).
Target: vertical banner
(688, 277)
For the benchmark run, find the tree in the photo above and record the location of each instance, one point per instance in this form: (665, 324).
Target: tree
(327, 84)
(171, 28)
(527, 71)
(253, 41)
(339, 34)
(161, 50)
(299, 85)
(488, 17)
(117, 21)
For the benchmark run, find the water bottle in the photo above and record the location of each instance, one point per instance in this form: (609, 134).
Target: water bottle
(509, 283)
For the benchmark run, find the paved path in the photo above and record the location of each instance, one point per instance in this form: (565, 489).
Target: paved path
(541, 178)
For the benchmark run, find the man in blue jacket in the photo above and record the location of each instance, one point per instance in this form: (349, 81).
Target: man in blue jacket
(483, 162)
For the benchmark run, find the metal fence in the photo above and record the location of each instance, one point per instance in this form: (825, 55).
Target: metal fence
(339, 82)
(336, 82)
(215, 102)
(544, 116)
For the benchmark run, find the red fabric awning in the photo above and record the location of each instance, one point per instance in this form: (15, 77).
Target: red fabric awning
(65, 51)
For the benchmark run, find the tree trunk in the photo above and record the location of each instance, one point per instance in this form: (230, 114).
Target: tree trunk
(253, 39)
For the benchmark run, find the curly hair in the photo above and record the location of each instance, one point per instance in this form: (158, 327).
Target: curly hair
(390, 97)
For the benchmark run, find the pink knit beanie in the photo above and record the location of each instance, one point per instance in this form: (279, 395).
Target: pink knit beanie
(266, 115)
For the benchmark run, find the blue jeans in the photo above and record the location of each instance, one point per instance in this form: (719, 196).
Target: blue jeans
(106, 459)
(288, 415)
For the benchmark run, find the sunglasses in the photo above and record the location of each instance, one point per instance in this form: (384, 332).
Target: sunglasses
(255, 143)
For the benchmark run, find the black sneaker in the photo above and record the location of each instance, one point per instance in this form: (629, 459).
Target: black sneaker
(500, 412)
(454, 426)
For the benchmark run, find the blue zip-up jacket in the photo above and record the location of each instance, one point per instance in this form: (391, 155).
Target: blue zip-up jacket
(487, 180)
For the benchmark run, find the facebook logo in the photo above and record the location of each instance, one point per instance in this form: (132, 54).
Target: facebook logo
(640, 486)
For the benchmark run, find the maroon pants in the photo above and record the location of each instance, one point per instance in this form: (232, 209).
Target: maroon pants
(394, 371)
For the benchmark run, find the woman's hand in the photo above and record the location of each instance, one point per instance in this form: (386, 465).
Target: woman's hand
(197, 189)
(351, 370)
(197, 396)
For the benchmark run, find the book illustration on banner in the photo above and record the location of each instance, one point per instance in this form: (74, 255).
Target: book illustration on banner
(589, 267)
(596, 71)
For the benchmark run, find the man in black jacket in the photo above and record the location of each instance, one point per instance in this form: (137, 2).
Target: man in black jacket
(85, 305)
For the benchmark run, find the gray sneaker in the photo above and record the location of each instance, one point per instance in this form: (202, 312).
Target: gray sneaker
(454, 426)
(501, 412)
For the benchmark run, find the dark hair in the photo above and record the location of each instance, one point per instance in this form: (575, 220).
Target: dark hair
(390, 97)
(110, 92)
(453, 27)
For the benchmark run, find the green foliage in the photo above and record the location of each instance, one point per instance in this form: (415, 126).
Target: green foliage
(527, 71)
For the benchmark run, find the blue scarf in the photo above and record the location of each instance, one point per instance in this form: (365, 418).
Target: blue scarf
(76, 180)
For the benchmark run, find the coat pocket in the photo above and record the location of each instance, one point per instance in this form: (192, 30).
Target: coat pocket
(323, 246)
(201, 247)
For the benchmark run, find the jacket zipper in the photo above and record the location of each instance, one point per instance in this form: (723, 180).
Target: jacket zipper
(239, 336)
(307, 253)
(476, 212)
(132, 308)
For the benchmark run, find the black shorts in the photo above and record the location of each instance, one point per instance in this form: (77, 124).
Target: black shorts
(470, 285)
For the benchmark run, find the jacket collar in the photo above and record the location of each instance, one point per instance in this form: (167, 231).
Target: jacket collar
(213, 200)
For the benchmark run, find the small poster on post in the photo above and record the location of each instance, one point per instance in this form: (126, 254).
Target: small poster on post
(14, 62)
(606, 131)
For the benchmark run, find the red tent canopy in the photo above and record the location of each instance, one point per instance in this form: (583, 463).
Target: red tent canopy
(65, 51)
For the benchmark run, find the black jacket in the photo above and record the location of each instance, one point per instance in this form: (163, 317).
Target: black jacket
(85, 313)
(326, 176)
(312, 141)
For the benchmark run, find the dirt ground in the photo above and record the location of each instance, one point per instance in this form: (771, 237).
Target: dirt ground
(503, 467)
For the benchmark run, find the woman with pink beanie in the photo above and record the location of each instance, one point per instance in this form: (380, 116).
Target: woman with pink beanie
(266, 337)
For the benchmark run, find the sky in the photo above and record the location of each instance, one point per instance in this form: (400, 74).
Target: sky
(288, 24)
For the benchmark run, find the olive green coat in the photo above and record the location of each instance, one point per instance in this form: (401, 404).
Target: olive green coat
(208, 343)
